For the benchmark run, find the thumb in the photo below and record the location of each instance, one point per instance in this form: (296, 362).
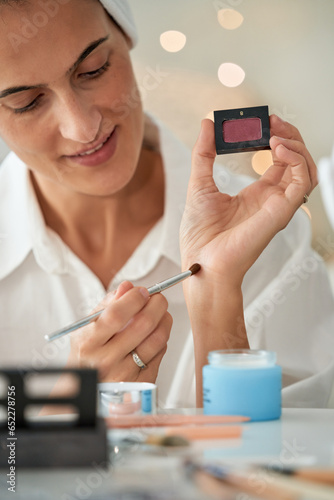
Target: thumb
(204, 153)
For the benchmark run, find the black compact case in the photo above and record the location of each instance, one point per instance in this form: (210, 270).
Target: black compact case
(242, 129)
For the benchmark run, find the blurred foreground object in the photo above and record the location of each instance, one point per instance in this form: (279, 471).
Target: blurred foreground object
(326, 184)
(50, 441)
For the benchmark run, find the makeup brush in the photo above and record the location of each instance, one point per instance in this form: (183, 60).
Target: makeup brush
(318, 475)
(158, 440)
(158, 287)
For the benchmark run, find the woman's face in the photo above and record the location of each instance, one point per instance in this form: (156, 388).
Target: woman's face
(69, 101)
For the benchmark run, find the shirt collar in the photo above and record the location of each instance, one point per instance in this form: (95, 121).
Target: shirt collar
(15, 237)
(22, 225)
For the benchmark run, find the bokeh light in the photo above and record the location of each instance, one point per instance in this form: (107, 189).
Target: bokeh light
(230, 74)
(303, 207)
(261, 161)
(230, 19)
(173, 41)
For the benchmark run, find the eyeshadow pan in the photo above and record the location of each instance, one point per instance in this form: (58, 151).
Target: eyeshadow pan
(242, 129)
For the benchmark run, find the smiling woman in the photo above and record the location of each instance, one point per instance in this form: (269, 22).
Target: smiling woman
(60, 115)
(50, 109)
(91, 194)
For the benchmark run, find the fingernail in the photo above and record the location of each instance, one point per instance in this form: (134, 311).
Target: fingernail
(281, 146)
(110, 296)
(144, 292)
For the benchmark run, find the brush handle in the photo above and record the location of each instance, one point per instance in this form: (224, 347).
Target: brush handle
(74, 326)
(159, 287)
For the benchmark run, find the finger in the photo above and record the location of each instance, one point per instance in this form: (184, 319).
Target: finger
(150, 373)
(116, 316)
(123, 287)
(151, 349)
(141, 326)
(301, 182)
(282, 128)
(203, 154)
(113, 295)
(300, 148)
(156, 342)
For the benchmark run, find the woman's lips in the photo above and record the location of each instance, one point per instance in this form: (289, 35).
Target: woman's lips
(98, 155)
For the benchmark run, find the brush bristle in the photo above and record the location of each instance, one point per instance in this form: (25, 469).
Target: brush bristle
(194, 268)
(161, 440)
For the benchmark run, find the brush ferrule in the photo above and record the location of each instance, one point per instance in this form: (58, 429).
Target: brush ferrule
(159, 287)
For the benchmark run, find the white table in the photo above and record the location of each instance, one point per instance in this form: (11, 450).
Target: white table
(301, 437)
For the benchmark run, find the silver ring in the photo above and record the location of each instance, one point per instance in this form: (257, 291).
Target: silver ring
(138, 361)
(306, 198)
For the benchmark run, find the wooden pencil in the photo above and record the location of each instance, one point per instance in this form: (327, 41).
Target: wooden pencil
(270, 486)
(163, 420)
(195, 432)
(323, 475)
(223, 478)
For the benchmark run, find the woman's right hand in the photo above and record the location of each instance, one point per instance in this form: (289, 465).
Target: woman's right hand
(132, 321)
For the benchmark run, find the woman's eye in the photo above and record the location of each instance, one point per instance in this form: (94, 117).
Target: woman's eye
(96, 72)
(36, 102)
(32, 105)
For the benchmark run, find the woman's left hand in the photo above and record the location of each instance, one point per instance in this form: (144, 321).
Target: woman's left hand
(226, 234)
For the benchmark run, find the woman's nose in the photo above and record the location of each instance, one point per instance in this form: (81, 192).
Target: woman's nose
(79, 121)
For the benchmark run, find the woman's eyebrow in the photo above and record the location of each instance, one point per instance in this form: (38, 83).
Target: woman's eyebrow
(15, 90)
(84, 54)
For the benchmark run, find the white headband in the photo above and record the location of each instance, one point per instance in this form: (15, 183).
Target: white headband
(121, 12)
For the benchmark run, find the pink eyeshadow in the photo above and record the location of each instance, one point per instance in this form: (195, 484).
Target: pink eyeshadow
(243, 129)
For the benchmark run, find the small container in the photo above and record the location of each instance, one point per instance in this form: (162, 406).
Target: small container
(242, 129)
(242, 382)
(126, 398)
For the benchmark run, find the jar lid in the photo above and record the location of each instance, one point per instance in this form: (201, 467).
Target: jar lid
(242, 358)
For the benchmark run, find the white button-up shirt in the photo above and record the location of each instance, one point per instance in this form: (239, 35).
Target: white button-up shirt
(44, 286)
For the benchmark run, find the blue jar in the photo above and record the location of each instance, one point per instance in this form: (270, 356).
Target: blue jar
(242, 382)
